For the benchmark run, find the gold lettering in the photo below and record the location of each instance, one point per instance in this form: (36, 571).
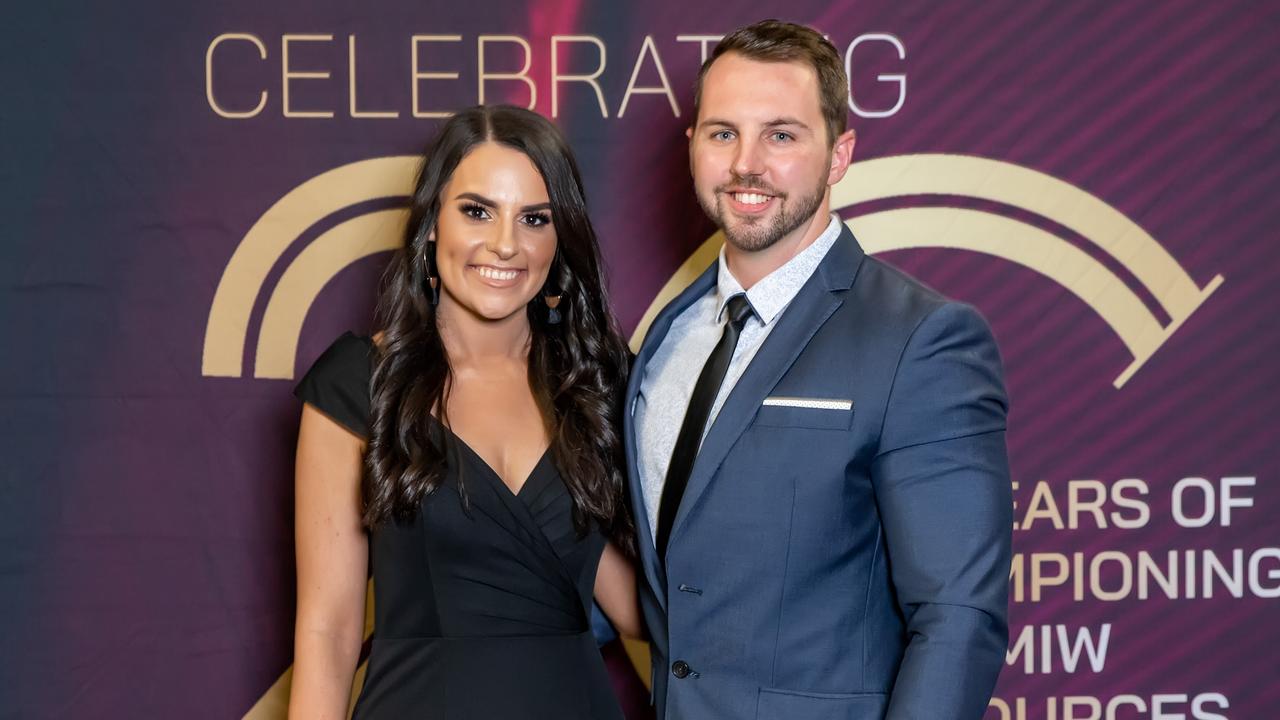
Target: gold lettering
(665, 89)
(703, 40)
(208, 76)
(286, 75)
(557, 78)
(418, 75)
(351, 87)
(522, 75)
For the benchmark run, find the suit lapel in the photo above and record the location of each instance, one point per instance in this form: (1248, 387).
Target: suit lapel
(816, 301)
(653, 339)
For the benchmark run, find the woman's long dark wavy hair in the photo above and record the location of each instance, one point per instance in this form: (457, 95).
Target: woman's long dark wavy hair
(577, 368)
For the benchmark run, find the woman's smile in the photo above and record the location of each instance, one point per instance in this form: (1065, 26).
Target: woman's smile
(498, 277)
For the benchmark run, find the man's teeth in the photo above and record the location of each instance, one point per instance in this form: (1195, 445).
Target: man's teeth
(751, 198)
(494, 274)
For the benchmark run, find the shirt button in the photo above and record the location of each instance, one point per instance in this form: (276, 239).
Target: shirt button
(680, 669)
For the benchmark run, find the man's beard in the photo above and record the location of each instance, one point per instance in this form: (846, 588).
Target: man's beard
(753, 234)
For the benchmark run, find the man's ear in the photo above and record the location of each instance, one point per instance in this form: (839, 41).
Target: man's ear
(841, 155)
(688, 132)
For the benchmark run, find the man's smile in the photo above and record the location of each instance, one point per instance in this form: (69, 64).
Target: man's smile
(749, 201)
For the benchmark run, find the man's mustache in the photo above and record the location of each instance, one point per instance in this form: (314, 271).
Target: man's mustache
(750, 183)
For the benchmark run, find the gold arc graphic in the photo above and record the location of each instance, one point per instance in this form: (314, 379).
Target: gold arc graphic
(897, 229)
(963, 229)
(896, 176)
(1044, 195)
(307, 275)
(271, 235)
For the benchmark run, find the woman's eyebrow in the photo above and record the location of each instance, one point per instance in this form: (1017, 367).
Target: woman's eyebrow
(482, 200)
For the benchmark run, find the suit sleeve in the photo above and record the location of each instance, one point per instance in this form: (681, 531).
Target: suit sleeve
(942, 484)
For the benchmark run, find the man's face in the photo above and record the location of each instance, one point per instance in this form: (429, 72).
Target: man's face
(759, 151)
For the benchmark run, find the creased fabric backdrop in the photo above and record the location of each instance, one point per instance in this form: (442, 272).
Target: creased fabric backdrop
(197, 197)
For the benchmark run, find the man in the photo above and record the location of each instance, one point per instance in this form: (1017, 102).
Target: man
(822, 490)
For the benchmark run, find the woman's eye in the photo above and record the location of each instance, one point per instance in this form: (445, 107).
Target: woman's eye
(537, 220)
(475, 212)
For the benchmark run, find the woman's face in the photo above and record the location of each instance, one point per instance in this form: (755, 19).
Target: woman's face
(494, 239)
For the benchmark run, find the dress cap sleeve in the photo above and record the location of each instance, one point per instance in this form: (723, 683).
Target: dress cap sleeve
(338, 383)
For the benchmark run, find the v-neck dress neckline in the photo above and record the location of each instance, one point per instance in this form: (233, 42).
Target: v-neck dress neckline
(493, 473)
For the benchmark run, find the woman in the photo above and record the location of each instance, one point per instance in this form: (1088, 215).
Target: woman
(471, 451)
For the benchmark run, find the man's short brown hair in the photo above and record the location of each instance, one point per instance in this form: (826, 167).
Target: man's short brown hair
(777, 41)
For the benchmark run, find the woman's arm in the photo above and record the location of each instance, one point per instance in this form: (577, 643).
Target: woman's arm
(332, 557)
(616, 593)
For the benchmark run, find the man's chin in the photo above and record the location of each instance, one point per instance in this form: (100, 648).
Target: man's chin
(748, 233)
(749, 237)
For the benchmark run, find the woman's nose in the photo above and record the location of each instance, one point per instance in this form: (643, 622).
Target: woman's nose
(503, 241)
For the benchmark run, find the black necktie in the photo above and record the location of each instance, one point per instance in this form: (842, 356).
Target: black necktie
(695, 418)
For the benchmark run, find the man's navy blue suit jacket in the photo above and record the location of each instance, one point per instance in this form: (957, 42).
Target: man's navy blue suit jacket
(839, 564)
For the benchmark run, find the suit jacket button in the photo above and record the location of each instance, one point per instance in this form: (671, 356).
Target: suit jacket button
(680, 669)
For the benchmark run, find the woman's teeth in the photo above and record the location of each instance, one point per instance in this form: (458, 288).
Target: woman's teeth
(494, 274)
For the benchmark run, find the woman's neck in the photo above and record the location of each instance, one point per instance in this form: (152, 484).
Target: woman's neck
(471, 340)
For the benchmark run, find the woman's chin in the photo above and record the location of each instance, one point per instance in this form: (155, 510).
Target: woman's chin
(496, 312)
(487, 307)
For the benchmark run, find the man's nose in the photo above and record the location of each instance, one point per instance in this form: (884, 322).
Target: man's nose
(748, 160)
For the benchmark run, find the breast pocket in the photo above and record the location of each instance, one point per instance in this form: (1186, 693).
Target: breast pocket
(820, 413)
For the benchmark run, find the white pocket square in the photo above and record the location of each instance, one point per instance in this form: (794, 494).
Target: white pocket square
(808, 403)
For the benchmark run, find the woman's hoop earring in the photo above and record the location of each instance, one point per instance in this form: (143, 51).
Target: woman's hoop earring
(432, 281)
(552, 293)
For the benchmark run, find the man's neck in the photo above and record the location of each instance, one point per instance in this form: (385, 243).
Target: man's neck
(749, 268)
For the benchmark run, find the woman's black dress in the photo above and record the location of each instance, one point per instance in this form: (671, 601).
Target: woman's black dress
(480, 612)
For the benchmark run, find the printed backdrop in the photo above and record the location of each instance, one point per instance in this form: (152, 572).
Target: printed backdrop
(197, 197)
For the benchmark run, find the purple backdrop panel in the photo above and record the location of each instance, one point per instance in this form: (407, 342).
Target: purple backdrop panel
(198, 198)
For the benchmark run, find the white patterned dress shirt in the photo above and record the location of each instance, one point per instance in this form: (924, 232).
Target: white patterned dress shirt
(673, 370)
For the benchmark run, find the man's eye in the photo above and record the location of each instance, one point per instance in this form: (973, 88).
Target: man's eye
(782, 137)
(722, 135)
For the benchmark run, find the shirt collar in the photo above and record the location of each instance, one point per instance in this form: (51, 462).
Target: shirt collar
(771, 295)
